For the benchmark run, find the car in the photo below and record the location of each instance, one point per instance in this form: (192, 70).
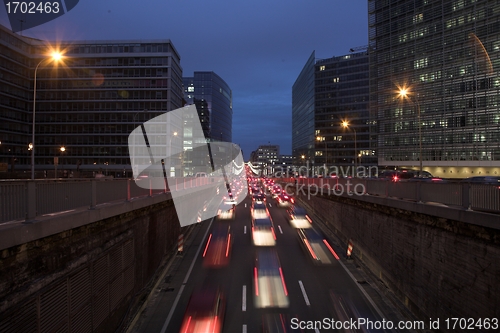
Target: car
(205, 311)
(482, 180)
(218, 248)
(263, 232)
(345, 311)
(200, 174)
(227, 210)
(284, 200)
(316, 246)
(276, 190)
(259, 210)
(428, 180)
(259, 197)
(298, 217)
(269, 285)
(278, 323)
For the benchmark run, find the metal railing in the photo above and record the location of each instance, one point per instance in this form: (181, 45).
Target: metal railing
(468, 196)
(27, 199)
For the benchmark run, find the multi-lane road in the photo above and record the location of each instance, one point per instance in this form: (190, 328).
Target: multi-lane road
(317, 294)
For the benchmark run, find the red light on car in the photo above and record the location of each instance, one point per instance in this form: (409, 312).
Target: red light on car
(206, 247)
(310, 249)
(256, 281)
(283, 282)
(309, 219)
(228, 242)
(187, 324)
(331, 250)
(274, 235)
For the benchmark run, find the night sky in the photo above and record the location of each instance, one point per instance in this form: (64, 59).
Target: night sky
(257, 46)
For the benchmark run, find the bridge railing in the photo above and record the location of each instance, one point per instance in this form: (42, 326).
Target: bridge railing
(481, 197)
(26, 199)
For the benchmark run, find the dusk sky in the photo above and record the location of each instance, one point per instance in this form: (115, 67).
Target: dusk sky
(258, 47)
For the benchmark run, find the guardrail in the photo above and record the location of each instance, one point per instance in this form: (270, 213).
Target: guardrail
(27, 199)
(468, 196)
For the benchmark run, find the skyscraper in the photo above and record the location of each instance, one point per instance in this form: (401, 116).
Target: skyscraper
(446, 54)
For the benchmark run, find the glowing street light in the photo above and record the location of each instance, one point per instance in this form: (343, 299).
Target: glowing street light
(404, 93)
(55, 56)
(345, 124)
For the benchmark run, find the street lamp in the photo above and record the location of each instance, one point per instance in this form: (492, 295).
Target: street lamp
(345, 124)
(56, 161)
(404, 93)
(55, 56)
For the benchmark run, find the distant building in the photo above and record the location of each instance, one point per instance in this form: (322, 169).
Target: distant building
(326, 93)
(213, 99)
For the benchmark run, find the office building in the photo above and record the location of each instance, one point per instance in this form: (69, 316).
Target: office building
(88, 103)
(214, 103)
(446, 53)
(327, 93)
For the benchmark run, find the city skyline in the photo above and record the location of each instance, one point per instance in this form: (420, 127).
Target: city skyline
(258, 47)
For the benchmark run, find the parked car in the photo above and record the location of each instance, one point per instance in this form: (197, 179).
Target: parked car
(483, 180)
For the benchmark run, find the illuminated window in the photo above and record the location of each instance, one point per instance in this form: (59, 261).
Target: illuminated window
(321, 68)
(418, 18)
(190, 89)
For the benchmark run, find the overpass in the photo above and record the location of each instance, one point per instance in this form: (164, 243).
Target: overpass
(76, 268)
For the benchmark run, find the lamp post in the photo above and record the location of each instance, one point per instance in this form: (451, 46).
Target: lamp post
(56, 161)
(345, 124)
(56, 57)
(403, 93)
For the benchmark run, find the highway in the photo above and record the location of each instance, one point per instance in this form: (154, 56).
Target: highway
(310, 287)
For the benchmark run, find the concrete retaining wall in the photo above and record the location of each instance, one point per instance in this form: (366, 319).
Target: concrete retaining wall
(84, 279)
(438, 267)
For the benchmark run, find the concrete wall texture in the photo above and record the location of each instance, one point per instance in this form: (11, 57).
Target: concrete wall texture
(84, 279)
(436, 266)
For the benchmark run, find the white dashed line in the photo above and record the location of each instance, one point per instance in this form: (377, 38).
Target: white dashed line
(244, 299)
(279, 227)
(245, 229)
(244, 329)
(304, 293)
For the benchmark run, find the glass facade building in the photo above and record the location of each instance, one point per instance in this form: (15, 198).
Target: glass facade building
(303, 114)
(326, 93)
(446, 53)
(341, 95)
(214, 102)
(88, 103)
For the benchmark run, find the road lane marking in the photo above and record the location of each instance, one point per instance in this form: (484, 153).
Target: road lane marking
(244, 302)
(245, 230)
(304, 293)
(245, 205)
(270, 205)
(178, 297)
(244, 329)
(279, 227)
